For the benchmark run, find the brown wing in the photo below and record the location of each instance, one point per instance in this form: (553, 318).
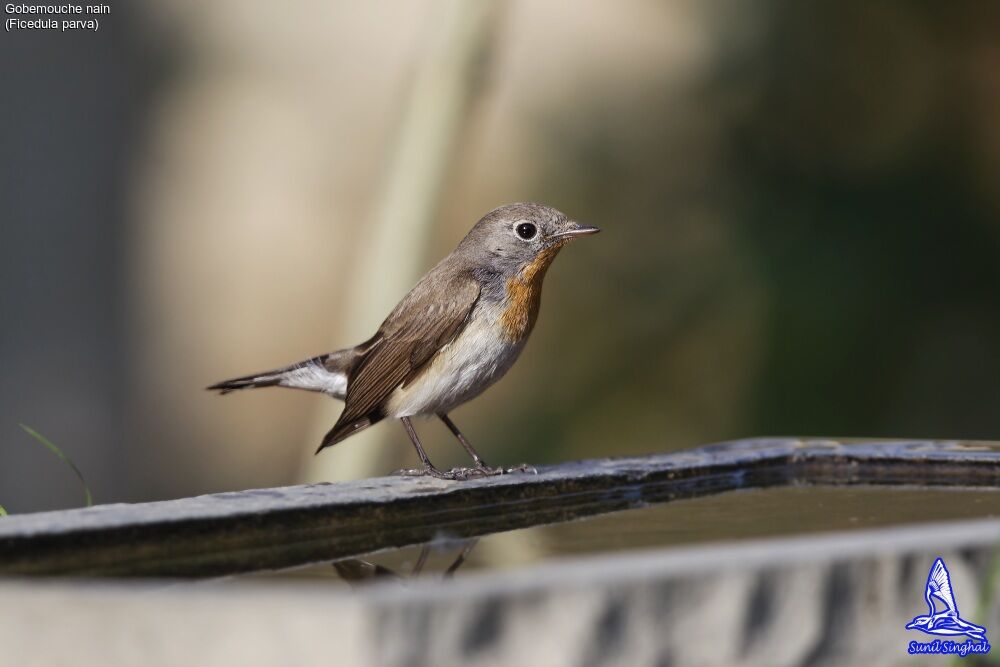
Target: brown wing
(430, 317)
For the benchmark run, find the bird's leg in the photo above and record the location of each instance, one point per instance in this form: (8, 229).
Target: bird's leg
(425, 551)
(476, 458)
(460, 559)
(428, 468)
(481, 467)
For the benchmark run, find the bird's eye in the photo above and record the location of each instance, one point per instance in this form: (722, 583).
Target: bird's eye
(526, 231)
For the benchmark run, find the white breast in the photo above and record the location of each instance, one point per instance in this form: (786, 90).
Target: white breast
(463, 369)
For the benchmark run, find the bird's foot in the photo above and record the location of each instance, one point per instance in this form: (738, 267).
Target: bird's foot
(455, 474)
(463, 474)
(475, 473)
(426, 471)
(483, 470)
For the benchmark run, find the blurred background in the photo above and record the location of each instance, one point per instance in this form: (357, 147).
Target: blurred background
(800, 203)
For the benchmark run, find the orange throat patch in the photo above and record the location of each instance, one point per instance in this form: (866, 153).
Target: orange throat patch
(524, 296)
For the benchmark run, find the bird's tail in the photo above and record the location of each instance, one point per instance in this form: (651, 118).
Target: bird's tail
(266, 379)
(326, 373)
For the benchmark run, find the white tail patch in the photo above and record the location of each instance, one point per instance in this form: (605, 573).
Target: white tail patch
(313, 377)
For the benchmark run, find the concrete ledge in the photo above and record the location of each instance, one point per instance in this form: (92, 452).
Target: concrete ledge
(235, 532)
(835, 599)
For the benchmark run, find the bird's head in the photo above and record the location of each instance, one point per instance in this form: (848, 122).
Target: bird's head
(515, 236)
(919, 623)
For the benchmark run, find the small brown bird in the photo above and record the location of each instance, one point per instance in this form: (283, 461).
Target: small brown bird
(455, 334)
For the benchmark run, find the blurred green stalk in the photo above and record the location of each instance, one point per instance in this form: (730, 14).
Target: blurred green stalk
(65, 459)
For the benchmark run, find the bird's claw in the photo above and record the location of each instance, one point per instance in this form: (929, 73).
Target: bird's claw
(428, 471)
(483, 470)
(455, 474)
(463, 474)
(408, 472)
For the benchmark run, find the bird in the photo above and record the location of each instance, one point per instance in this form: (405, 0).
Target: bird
(946, 622)
(458, 331)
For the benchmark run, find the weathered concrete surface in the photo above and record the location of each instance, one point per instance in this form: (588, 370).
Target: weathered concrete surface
(836, 599)
(267, 528)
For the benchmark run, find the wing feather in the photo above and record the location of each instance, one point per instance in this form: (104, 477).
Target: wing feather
(939, 585)
(408, 340)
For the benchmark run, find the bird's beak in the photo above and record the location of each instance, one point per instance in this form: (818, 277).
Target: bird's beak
(576, 229)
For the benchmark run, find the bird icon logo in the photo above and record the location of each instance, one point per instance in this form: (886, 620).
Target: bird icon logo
(947, 621)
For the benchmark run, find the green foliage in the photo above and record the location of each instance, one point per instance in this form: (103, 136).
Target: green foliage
(3, 512)
(65, 459)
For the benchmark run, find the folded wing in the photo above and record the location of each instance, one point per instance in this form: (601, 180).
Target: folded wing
(429, 318)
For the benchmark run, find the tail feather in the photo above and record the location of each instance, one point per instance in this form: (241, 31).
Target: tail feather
(326, 373)
(248, 382)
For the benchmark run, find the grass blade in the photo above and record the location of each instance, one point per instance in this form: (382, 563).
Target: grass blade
(3, 512)
(65, 459)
